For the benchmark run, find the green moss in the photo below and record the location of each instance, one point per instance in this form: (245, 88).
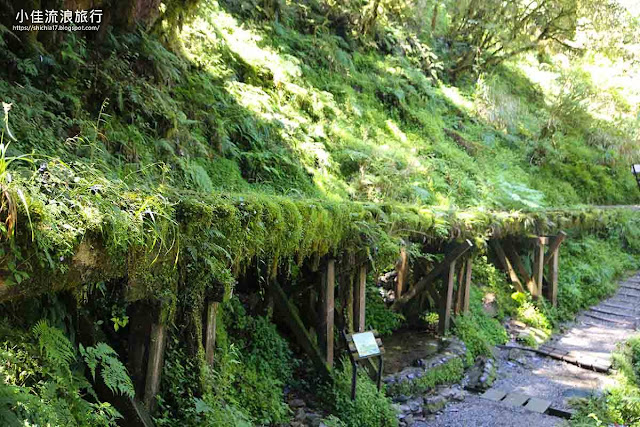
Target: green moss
(448, 373)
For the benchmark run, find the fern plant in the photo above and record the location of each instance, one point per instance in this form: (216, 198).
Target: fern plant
(112, 371)
(54, 345)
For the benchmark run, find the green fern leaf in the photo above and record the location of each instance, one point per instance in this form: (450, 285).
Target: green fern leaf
(54, 345)
(112, 371)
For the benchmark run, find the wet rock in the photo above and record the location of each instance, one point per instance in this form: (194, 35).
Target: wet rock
(300, 414)
(515, 354)
(453, 394)
(415, 405)
(401, 398)
(314, 420)
(409, 420)
(296, 403)
(481, 374)
(419, 424)
(434, 404)
(405, 409)
(489, 304)
(518, 324)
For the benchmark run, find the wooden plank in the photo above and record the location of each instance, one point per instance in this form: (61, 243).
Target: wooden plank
(562, 413)
(154, 365)
(349, 306)
(557, 353)
(401, 268)
(515, 399)
(520, 268)
(506, 265)
(628, 294)
(360, 299)
(610, 312)
(444, 320)
(607, 319)
(467, 285)
(621, 306)
(420, 286)
(551, 291)
(539, 240)
(327, 289)
(537, 405)
(602, 366)
(210, 335)
(493, 394)
(460, 289)
(291, 317)
(554, 246)
(538, 268)
(140, 413)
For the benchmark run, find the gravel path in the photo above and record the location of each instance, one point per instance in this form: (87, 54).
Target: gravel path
(594, 335)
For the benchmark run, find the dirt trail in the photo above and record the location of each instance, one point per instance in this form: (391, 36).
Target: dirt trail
(592, 338)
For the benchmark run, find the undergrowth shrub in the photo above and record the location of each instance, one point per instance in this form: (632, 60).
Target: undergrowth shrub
(253, 364)
(590, 266)
(480, 333)
(42, 379)
(620, 404)
(380, 317)
(371, 407)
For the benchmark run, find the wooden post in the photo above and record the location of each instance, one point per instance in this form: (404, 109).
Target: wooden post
(551, 293)
(154, 365)
(401, 269)
(554, 245)
(290, 315)
(467, 285)
(326, 316)
(506, 265)
(460, 290)
(210, 336)
(349, 304)
(538, 267)
(552, 259)
(437, 270)
(447, 295)
(360, 299)
(517, 262)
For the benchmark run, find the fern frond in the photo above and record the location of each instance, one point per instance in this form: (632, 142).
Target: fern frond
(113, 372)
(54, 345)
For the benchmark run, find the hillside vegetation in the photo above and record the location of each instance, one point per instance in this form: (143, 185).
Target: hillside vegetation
(168, 162)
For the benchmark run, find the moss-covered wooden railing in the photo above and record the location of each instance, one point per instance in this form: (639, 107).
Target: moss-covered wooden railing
(192, 248)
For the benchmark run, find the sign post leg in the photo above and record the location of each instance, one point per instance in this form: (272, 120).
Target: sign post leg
(354, 378)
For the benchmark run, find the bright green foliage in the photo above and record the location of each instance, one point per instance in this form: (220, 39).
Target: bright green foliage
(590, 267)
(53, 344)
(276, 133)
(253, 364)
(42, 383)
(378, 316)
(371, 407)
(621, 402)
(478, 331)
